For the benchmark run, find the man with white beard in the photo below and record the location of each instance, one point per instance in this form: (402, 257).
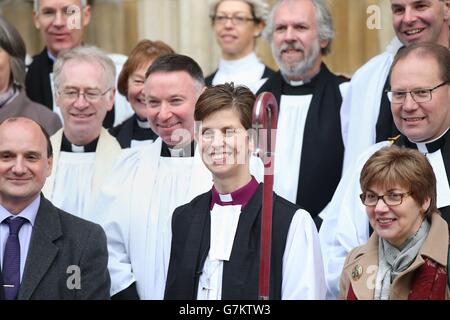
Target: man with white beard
(309, 145)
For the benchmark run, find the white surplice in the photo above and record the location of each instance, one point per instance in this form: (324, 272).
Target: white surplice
(247, 71)
(135, 208)
(361, 104)
(289, 142)
(77, 177)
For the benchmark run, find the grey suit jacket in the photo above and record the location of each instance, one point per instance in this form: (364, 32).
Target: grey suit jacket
(67, 258)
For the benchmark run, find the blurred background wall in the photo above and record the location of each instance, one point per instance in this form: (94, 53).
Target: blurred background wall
(363, 29)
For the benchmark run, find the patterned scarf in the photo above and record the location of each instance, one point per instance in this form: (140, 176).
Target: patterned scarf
(393, 261)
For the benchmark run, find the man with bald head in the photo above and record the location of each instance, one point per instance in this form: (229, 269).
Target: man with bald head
(45, 253)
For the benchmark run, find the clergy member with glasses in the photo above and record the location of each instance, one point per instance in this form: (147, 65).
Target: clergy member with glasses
(406, 256)
(84, 150)
(237, 24)
(420, 106)
(216, 237)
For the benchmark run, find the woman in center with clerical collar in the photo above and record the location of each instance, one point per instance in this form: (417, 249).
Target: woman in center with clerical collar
(216, 237)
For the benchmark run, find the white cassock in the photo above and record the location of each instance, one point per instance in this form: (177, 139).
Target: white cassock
(77, 177)
(346, 226)
(289, 141)
(361, 104)
(303, 274)
(247, 71)
(135, 209)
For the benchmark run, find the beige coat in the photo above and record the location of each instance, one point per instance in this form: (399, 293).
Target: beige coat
(361, 265)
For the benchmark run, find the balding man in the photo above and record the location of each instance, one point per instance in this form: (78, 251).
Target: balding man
(46, 253)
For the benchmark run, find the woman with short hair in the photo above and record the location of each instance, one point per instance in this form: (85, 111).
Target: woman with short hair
(406, 257)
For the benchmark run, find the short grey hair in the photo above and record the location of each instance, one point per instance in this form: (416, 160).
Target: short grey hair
(89, 54)
(259, 8)
(324, 23)
(84, 3)
(12, 43)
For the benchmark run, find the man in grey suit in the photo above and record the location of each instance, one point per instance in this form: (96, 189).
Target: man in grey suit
(45, 252)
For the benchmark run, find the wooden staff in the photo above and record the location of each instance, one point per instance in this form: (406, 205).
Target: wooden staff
(264, 121)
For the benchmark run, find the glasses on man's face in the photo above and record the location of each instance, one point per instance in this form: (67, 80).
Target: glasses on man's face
(370, 199)
(237, 20)
(418, 95)
(92, 96)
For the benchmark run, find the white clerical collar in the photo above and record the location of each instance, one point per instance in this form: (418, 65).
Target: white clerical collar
(297, 83)
(143, 124)
(225, 197)
(177, 152)
(76, 148)
(245, 62)
(422, 146)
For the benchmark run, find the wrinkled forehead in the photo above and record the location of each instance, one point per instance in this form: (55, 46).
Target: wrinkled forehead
(58, 4)
(416, 68)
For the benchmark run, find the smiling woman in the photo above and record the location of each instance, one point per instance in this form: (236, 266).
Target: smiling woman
(236, 25)
(228, 217)
(409, 245)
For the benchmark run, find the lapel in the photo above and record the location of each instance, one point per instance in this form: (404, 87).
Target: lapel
(42, 251)
(364, 286)
(198, 239)
(15, 107)
(431, 248)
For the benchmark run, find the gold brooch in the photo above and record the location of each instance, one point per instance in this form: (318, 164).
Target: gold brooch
(357, 272)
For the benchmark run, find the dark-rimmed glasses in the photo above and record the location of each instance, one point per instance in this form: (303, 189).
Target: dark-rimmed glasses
(418, 95)
(370, 199)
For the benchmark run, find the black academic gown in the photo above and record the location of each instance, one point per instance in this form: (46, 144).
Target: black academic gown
(323, 149)
(191, 227)
(130, 130)
(266, 74)
(444, 145)
(385, 127)
(38, 86)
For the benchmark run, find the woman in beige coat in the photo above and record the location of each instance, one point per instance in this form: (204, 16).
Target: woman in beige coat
(406, 257)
